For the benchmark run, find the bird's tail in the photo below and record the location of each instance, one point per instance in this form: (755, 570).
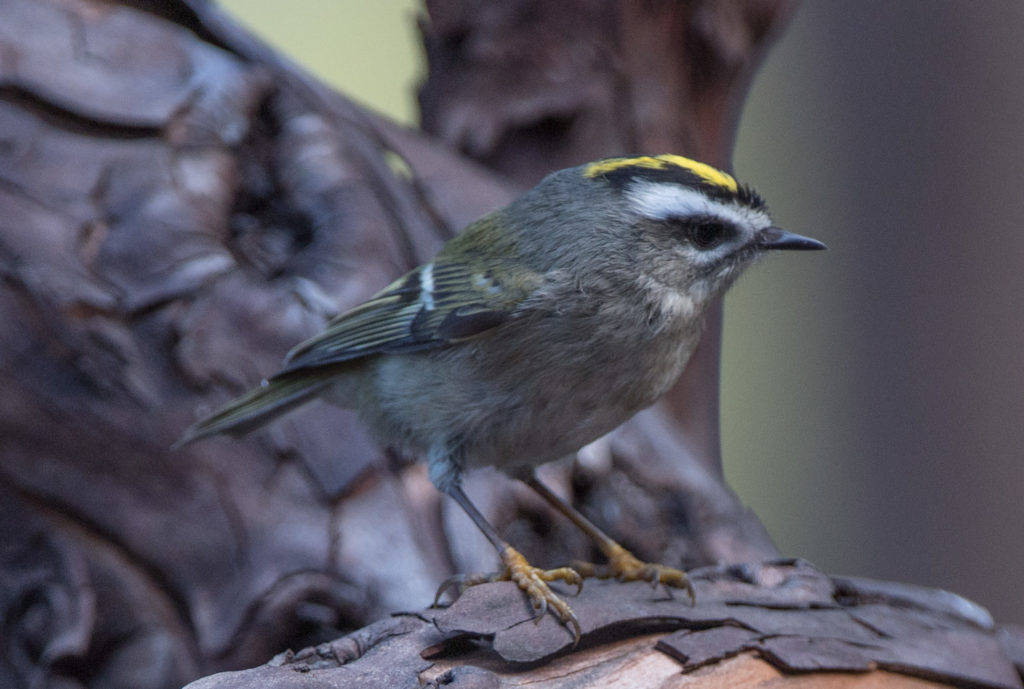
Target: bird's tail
(269, 399)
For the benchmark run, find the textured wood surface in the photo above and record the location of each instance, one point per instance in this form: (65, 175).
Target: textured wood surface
(781, 622)
(178, 206)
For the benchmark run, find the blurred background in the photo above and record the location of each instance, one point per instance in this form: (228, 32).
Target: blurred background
(873, 396)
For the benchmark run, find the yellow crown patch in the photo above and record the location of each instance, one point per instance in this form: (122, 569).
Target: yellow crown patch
(664, 162)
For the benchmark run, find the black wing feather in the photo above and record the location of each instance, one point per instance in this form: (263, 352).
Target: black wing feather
(417, 312)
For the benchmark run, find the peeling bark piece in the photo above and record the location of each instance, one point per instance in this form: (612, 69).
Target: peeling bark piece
(486, 639)
(695, 648)
(1011, 637)
(812, 654)
(384, 655)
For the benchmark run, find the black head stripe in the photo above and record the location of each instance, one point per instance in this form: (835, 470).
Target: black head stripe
(619, 178)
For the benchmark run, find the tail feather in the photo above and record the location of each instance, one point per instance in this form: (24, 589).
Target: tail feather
(263, 403)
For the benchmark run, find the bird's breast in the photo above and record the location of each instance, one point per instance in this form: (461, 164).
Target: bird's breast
(532, 391)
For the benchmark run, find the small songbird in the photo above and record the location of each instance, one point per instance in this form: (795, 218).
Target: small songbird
(539, 328)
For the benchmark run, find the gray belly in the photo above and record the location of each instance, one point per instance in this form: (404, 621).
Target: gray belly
(503, 405)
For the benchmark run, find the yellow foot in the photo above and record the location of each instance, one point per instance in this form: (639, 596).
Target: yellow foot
(624, 566)
(534, 583)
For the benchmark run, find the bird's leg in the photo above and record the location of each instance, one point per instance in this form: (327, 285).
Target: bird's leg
(622, 564)
(532, 580)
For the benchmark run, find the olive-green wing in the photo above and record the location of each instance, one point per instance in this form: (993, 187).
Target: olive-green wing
(434, 305)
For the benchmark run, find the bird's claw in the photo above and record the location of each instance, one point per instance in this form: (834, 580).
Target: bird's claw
(461, 582)
(533, 581)
(624, 566)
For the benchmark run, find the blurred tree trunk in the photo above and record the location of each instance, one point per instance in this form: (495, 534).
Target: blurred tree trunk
(179, 205)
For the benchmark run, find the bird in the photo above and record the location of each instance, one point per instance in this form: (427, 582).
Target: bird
(536, 330)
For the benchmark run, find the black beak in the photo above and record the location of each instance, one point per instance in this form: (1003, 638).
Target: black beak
(778, 238)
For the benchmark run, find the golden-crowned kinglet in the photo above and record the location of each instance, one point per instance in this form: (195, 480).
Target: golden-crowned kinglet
(539, 328)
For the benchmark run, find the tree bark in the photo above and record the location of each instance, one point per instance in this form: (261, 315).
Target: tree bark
(179, 205)
(754, 626)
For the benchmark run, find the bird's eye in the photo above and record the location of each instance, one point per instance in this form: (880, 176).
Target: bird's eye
(707, 233)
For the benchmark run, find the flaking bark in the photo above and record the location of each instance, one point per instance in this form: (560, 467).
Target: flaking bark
(179, 205)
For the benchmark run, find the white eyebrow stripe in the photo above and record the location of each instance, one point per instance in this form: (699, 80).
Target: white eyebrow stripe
(427, 286)
(661, 201)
